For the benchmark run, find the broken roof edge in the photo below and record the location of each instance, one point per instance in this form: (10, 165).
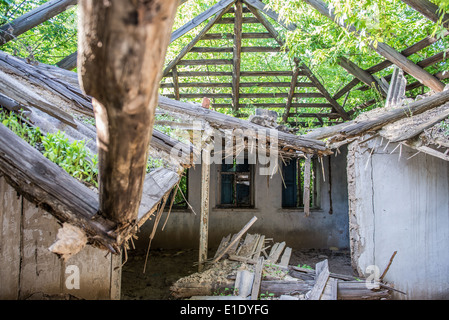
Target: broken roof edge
(413, 123)
(223, 123)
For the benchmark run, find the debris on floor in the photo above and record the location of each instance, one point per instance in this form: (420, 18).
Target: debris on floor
(256, 268)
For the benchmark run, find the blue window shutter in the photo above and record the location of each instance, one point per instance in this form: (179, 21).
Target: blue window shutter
(227, 186)
(289, 191)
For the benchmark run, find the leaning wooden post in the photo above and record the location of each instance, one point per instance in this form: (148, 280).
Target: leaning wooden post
(122, 47)
(204, 219)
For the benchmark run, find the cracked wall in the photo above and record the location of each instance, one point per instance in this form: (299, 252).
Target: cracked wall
(399, 201)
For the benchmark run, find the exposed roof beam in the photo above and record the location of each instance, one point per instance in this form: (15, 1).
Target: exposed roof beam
(218, 7)
(29, 20)
(384, 50)
(69, 62)
(386, 63)
(237, 52)
(291, 94)
(429, 10)
(270, 13)
(198, 37)
(124, 94)
(304, 68)
(363, 76)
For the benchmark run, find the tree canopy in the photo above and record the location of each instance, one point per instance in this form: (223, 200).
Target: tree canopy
(317, 41)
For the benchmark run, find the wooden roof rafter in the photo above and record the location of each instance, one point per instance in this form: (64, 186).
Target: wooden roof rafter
(258, 10)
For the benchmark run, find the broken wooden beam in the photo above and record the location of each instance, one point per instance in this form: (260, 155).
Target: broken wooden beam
(234, 240)
(221, 121)
(69, 62)
(322, 275)
(124, 93)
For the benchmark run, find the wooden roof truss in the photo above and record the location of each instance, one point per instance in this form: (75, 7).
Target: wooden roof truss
(288, 89)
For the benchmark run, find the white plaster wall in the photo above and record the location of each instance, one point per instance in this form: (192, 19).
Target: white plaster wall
(401, 205)
(324, 227)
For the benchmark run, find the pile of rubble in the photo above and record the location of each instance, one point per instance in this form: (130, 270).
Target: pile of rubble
(256, 268)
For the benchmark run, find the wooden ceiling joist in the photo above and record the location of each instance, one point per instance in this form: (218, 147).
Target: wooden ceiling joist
(262, 79)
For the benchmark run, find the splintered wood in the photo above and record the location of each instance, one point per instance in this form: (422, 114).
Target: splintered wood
(252, 248)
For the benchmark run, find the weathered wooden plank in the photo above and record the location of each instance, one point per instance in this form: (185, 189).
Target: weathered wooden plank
(230, 36)
(270, 13)
(277, 105)
(204, 62)
(429, 10)
(204, 218)
(246, 248)
(223, 244)
(236, 239)
(176, 82)
(33, 18)
(43, 182)
(322, 275)
(237, 52)
(157, 185)
(257, 279)
(230, 20)
(223, 121)
(276, 252)
(259, 247)
(363, 75)
(385, 50)
(69, 62)
(386, 63)
(124, 95)
(286, 257)
(307, 178)
(291, 93)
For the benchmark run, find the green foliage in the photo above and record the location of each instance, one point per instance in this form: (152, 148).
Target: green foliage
(16, 124)
(48, 42)
(73, 157)
(444, 125)
(305, 266)
(317, 41)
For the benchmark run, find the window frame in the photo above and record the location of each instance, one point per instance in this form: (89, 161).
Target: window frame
(315, 202)
(235, 205)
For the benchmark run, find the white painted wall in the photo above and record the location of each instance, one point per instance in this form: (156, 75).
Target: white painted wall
(321, 229)
(400, 204)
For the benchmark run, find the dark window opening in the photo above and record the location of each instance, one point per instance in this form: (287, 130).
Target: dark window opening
(293, 184)
(236, 184)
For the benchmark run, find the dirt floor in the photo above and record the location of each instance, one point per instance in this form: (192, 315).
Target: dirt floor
(164, 267)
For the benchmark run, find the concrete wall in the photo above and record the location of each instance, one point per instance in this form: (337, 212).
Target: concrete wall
(325, 227)
(400, 204)
(28, 270)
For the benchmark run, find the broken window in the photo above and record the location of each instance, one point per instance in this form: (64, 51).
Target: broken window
(236, 184)
(293, 183)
